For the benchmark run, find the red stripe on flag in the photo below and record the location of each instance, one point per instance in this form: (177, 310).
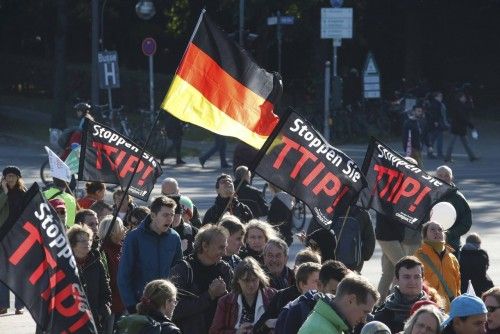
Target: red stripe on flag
(226, 93)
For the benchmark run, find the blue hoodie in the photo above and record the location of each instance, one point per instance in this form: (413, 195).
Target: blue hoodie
(293, 315)
(146, 256)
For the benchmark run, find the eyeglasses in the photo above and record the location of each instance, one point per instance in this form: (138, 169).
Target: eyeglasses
(492, 309)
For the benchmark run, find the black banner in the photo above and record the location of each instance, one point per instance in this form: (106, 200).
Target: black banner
(37, 264)
(109, 157)
(397, 188)
(297, 159)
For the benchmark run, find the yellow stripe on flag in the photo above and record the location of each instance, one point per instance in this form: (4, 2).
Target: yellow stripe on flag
(189, 105)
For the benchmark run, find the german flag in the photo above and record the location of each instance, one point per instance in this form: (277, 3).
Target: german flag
(218, 87)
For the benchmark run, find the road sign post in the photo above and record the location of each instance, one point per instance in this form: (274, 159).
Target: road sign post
(149, 49)
(371, 79)
(109, 76)
(278, 21)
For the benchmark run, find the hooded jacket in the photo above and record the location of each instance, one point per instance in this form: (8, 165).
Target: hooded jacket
(293, 315)
(325, 319)
(146, 255)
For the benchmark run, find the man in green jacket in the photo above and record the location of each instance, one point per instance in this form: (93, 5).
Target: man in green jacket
(354, 300)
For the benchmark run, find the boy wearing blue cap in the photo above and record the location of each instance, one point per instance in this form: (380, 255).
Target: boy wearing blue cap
(467, 316)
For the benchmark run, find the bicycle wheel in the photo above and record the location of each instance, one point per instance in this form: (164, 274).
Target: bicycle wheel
(158, 145)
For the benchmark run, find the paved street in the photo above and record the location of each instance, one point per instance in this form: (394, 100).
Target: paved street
(479, 181)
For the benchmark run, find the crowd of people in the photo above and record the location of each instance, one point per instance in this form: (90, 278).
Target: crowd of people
(165, 269)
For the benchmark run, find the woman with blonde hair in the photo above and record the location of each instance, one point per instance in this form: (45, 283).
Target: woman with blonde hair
(257, 234)
(238, 311)
(491, 299)
(111, 244)
(426, 319)
(154, 311)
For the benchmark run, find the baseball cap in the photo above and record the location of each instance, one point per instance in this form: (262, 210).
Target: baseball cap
(463, 306)
(220, 177)
(375, 327)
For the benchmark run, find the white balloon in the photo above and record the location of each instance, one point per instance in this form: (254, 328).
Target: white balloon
(444, 213)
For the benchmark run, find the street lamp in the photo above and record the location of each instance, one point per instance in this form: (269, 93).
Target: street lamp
(145, 9)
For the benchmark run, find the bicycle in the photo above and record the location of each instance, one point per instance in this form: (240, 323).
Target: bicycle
(108, 116)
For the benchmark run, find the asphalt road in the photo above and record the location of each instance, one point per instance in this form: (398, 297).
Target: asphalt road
(479, 181)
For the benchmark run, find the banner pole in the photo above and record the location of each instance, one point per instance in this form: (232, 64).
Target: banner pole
(341, 229)
(141, 153)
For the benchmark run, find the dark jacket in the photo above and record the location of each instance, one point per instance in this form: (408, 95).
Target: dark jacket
(463, 222)
(460, 118)
(226, 316)
(96, 286)
(196, 309)
(252, 197)
(166, 325)
(474, 263)
(396, 310)
(186, 232)
(232, 260)
(113, 253)
(387, 229)
(293, 315)
(195, 220)
(247, 251)
(279, 300)
(415, 127)
(280, 215)
(236, 208)
(284, 280)
(146, 256)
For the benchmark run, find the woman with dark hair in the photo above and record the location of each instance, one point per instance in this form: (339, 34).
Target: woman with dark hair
(238, 311)
(95, 192)
(154, 311)
(11, 205)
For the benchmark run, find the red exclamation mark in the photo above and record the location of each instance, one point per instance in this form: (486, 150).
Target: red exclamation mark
(420, 196)
(339, 197)
(146, 173)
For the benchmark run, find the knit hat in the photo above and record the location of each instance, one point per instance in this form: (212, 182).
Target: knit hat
(421, 303)
(11, 170)
(375, 327)
(463, 306)
(57, 203)
(187, 205)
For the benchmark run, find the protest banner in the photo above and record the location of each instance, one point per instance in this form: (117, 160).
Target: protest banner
(219, 87)
(398, 188)
(109, 157)
(297, 159)
(37, 264)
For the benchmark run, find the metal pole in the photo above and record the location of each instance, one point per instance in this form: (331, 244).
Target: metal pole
(111, 113)
(94, 80)
(326, 126)
(334, 58)
(151, 86)
(242, 21)
(278, 35)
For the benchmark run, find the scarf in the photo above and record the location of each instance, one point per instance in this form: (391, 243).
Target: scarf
(438, 246)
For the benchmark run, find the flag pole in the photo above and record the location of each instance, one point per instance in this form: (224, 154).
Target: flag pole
(341, 229)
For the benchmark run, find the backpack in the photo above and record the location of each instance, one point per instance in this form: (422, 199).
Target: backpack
(349, 242)
(137, 324)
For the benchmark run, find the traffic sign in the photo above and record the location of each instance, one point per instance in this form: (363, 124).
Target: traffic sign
(336, 23)
(284, 20)
(148, 46)
(109, 74)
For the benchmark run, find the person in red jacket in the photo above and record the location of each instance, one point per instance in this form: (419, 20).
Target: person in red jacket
(239, 310)
(95, 191)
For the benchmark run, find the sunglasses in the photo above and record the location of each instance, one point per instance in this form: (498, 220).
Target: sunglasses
(492, 309)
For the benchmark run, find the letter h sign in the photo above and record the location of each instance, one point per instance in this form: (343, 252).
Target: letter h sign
(109, 75)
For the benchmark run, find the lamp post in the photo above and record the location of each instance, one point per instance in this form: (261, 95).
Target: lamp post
(145, 10)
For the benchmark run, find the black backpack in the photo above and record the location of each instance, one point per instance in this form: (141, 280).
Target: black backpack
(349, 241)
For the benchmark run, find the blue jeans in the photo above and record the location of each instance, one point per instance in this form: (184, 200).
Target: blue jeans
(5, 298)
